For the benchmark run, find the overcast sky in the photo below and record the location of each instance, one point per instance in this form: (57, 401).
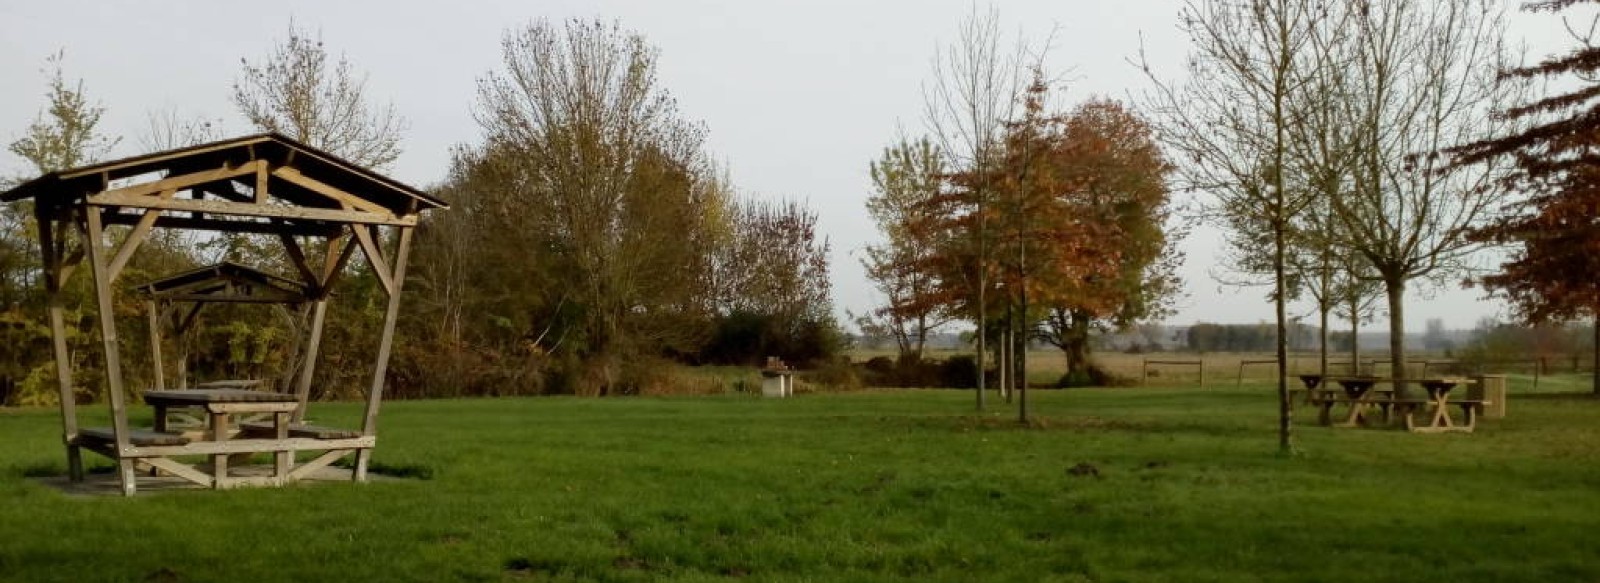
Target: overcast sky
(798, 96)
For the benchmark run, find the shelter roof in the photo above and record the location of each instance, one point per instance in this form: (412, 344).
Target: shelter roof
(296, 174)
(226, 282)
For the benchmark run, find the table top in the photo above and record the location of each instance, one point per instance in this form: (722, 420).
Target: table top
(230, 384)
(207, 396)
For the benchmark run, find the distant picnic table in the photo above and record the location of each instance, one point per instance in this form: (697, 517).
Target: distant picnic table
(1361, 397)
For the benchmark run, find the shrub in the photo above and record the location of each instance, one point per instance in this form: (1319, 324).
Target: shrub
(882, 365)
(747, 338)
(960, 370)
(1095, 376)
(835, 374)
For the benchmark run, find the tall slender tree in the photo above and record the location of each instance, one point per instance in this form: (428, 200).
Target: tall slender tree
(975, 88)
(1231, 125)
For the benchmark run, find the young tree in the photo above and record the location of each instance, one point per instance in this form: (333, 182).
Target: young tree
(905, 178)
(1231, 125)
(298, 92)
(976, 83)
(66, 134)
(1553, 230)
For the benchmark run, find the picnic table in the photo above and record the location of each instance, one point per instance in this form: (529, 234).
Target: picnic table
(1360, 395)
(221, 405)
(1439, 401)
(160, 448)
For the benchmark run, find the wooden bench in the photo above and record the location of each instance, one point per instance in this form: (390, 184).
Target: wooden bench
(99, 436)
(306, 431)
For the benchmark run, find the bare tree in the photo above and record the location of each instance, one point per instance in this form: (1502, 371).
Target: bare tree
(298, 92)
(1231, 127)
(1421, 77)
(168, 129)
(974, 92)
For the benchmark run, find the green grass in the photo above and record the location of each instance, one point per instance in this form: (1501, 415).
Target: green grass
(872, 486)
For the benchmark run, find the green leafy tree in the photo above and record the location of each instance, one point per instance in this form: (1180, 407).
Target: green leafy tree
(905, 178)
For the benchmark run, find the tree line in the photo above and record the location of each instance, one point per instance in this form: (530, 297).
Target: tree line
(592, 243)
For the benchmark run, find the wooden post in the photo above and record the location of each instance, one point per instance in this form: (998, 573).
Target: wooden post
(282, 459)
(369, 425)
(155, 345)
(219, 462)
(55, 276)
(302, 393)
(108, 338)
(1201, 364)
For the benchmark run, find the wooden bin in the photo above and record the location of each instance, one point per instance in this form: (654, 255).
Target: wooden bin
(1491, 387)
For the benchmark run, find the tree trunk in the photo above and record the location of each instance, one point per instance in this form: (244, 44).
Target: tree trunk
(1324, 305)
(1002, 369)
(1396, 288)
(1355, 335)
(983, 283)
(1285, 445)
(1075, 345)
(1022, 370)
(1322, 338)
(1596, 371)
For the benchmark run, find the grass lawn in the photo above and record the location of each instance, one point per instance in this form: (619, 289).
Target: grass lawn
(885, 486)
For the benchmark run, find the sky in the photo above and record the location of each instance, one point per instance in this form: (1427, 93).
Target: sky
(798, 96)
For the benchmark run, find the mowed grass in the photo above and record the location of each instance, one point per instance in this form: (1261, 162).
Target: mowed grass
(1170, 485)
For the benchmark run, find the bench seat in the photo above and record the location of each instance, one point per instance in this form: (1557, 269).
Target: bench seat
(139, 437)
(307, 431)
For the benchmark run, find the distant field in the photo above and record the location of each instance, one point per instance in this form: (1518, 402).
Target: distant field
(1221, 368)
(1137, 484)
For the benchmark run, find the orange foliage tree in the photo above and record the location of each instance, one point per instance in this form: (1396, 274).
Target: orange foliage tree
(1552, 216)
(1078, 209)
(1119, 195)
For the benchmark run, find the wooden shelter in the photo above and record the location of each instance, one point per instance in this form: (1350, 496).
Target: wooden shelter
(318, 206)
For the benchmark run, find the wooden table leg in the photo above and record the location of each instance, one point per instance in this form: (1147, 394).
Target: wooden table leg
(280, 424)
(219, 462)
(1469, 413)
(1355, 418)
(1441, 412)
